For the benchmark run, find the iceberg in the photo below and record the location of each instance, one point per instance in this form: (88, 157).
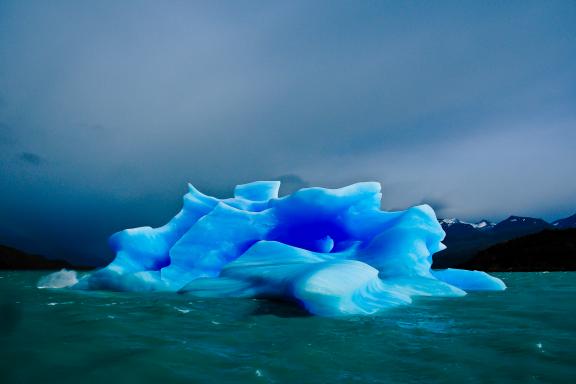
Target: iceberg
(334, 252)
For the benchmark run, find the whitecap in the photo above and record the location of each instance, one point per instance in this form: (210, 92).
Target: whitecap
(63, 303)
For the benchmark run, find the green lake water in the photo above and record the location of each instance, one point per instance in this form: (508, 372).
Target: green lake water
(526, 334)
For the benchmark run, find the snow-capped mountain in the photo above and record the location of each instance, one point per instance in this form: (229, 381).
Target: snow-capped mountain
(465, 239)
(482, 224)
(519, 223)
(568, 222)
(511, 223)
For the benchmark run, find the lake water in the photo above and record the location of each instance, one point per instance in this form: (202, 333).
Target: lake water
(526, 334)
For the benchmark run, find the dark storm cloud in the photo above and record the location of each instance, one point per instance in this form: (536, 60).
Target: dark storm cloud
(290, 184)
(5, 134)
(465, 103)
(440, 205)
(30, 158)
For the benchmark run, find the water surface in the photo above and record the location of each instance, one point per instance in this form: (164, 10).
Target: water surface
(526, 334)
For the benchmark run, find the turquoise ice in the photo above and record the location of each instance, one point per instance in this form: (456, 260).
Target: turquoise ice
(332, 251)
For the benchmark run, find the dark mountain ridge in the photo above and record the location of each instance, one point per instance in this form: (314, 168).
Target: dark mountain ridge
(568, 222)
(465, 240)
(14, 259)
(549, 250)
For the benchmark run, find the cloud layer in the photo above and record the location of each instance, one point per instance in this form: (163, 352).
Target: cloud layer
(107, 109)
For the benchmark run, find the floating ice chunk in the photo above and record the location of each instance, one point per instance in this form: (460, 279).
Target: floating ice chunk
(60, 279)
(332, 251)
(470, 280)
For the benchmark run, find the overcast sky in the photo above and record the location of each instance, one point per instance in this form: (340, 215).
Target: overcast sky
(108, 108)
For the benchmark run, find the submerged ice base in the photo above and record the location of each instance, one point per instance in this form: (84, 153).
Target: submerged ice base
(332, 251)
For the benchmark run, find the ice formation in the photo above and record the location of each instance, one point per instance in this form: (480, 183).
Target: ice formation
(332, 251)
(61, 279)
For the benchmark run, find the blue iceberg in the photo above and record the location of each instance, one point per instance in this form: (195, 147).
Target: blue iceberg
(332, 251)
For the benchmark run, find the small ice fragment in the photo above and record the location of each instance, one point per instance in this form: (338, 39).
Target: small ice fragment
(60, 279)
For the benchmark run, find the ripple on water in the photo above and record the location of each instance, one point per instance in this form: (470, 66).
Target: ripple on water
(524, 334)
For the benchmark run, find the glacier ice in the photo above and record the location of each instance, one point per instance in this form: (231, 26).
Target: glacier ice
(332, 251)
(60, 279)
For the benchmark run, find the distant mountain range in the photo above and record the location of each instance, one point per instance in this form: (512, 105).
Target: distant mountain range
(14, 259)
(569, 222)
(466, 240)
(549, 250)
